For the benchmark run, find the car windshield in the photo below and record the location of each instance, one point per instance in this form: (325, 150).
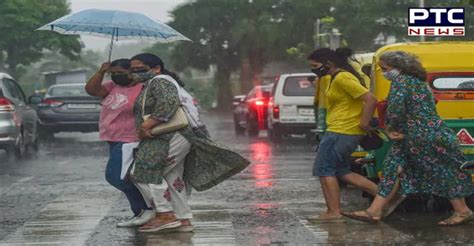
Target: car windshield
(454, 83)
(298, 86)
(67, 91)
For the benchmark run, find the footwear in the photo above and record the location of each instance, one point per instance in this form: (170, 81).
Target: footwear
(368, 217)
(182, 228)
(128, 223)
(144, 217)
(390, 208)
(324, 218)
(454, 219)
(160, 226)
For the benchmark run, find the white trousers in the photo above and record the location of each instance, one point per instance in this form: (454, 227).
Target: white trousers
(175, 190)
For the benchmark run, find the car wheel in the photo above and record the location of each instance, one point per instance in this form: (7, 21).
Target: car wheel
(20, 147)
(238, 129)
(274, 135)
(35, 144)
(252, 128)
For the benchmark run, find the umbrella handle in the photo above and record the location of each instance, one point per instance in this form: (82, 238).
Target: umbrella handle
(112, 42)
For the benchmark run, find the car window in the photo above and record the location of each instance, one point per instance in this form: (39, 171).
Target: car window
(251, 94)
(298, 86)
(453, 83)
(67, 91)
(12, 90)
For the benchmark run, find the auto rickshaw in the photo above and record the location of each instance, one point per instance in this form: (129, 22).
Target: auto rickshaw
(450, 75)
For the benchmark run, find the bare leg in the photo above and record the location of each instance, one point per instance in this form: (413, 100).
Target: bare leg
(377, 206)
(360, 182)
(330, 188)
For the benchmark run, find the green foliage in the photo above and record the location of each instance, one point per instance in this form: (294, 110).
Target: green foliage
(20, 43)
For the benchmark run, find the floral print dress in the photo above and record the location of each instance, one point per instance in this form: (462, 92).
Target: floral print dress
(429, 154)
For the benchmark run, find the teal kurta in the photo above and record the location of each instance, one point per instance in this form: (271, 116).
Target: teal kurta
(429, 154)
(208, 162)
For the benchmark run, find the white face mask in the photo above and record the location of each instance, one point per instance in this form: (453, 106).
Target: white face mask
(392, 74)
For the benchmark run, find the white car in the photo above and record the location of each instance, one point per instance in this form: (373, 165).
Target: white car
(291, 109)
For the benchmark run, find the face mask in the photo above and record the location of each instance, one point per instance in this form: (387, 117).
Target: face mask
(121, 79)
(392, 74)
(320, 71)
(142, 76)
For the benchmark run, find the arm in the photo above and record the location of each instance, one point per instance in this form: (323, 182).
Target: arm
(94, 85)
(367, 111)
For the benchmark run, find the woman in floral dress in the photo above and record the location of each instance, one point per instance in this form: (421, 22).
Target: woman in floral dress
(181, 158)
(425, 156)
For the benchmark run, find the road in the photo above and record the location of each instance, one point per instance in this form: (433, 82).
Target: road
(59, 196)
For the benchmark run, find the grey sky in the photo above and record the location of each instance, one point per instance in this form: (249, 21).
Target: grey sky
(158, 9)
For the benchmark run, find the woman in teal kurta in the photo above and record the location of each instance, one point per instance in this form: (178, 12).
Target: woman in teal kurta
(185, 158)
(425, 156)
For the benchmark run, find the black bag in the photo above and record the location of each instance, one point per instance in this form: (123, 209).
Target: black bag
(372, 140)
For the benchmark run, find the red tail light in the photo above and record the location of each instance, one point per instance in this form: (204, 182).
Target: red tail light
(50, 103)
(6, 105)
(259, 103)
(276, 112)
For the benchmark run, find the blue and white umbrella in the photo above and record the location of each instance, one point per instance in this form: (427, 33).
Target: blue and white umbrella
(116, 25)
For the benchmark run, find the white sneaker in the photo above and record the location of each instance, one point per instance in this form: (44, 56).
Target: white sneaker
(127, 223)
(144, 217)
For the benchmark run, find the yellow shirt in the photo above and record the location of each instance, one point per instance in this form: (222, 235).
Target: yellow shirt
(344, 108)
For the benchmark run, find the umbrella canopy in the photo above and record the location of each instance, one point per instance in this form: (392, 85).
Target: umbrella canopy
(114, 24)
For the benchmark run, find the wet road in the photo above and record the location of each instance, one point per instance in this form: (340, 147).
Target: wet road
(59, 197)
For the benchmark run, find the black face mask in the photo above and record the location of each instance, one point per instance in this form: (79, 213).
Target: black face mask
(321, 71)
(121, 79)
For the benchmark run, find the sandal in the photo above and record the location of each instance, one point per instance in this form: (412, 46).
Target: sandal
(452, 221)
(370, 218)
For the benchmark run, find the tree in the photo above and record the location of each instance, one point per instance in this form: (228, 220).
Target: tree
(208, 24)
(21, 44)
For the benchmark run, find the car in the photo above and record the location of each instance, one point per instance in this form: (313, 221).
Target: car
(250, 113)
(18, 120)
(291, 109)
(68, 108)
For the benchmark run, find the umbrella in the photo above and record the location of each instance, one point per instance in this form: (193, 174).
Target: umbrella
(114, 24)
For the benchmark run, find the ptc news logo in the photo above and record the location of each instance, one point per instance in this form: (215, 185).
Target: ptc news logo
(436, 22)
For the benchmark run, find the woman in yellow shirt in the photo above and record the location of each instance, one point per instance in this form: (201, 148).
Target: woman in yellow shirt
(350, 107)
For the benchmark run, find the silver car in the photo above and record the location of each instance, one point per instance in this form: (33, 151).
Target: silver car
(18, 121)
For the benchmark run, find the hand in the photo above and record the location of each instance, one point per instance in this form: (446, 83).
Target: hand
(144, 133)
(105, 67)
(393, 135)
(149, 123)
(366, 126)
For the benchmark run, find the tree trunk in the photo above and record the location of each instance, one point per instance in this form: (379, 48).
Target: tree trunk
(12, 63)
(256, 68)
(224, 93)
(245, 77)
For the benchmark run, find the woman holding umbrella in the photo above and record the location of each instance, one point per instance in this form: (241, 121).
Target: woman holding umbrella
(117, 127)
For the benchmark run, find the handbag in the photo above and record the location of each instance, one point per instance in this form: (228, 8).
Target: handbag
(178, 120)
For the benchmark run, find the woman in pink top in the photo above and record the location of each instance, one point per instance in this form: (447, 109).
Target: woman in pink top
(117, 127)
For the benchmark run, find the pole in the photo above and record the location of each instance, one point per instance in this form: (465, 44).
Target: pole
(112, 42)
(316, 29)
